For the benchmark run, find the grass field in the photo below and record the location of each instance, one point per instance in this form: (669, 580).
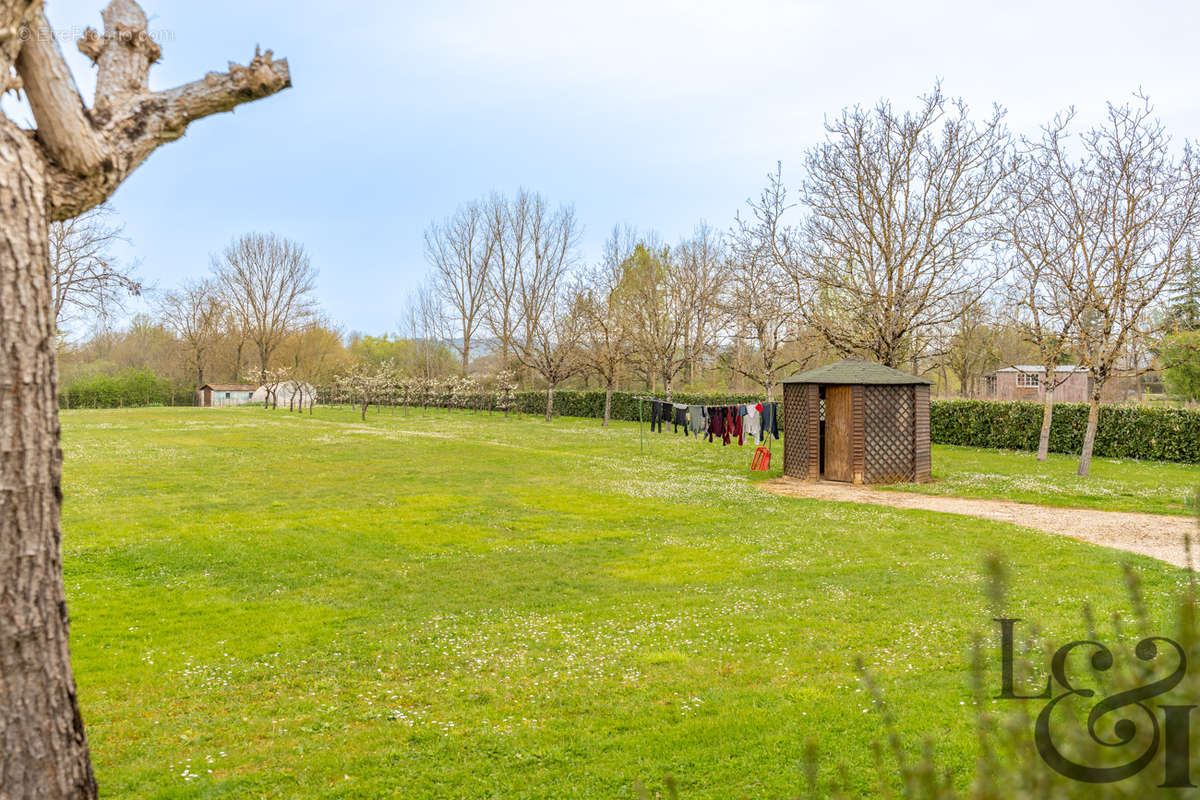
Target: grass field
(460, 606)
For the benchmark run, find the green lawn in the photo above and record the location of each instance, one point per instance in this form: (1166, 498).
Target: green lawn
(460, 606)
(1153, 487)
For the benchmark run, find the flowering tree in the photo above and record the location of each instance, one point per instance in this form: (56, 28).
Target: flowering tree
(504, 393)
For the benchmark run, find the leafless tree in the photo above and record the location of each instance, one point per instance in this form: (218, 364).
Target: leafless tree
(460, 251)
(194, 314)
(605, 342)
(1045, 250)
(425, 319)
(88, 277)
(963, 346)
(551, 319)
(1127, 206)
(657, 302)
(73, 162)
(508, 227)
(759, 303)
(267, 282)
(700, 267)
(900, 210)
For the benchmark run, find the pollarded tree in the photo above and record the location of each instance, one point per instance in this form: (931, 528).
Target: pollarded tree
(76, 160)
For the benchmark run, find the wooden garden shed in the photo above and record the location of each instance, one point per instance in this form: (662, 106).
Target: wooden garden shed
(856, 421)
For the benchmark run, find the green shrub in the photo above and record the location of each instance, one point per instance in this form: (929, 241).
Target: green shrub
(131, 387)
(1160, 434)
(570, 403)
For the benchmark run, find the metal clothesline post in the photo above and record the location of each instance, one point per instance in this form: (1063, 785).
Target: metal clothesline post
(641, 433)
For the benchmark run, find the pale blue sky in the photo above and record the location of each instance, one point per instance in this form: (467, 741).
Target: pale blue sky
(653, 113)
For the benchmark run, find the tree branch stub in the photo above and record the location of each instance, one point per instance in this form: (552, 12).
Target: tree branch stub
(89, 152)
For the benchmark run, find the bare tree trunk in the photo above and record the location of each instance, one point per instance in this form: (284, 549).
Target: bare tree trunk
(1089, 436)
(237, 361)
(1047, 418)
(550, 403)
(42, 742)
(607, 405)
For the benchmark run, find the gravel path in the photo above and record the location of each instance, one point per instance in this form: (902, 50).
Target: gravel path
(1153, 535)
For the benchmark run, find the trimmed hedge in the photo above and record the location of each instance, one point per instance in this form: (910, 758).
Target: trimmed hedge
(1159, 434)
(571, 403)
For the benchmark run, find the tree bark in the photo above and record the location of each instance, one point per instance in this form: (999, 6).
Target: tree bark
(607, 405)
(1047, 418)
(550, 403)
(1089, 436)
(43, 748)
(74, 161)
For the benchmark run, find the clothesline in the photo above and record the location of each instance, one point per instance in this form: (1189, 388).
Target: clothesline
(757, 420)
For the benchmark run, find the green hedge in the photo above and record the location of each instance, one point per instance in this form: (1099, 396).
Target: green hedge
(1159, 434)
(132, 387)
(570, 403)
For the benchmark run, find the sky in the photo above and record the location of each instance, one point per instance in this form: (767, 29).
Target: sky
(655, 113)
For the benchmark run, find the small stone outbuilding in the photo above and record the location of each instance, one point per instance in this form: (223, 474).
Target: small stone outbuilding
(856, 421)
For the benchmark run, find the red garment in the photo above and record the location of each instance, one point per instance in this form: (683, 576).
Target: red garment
(734, 427)
(716, 423)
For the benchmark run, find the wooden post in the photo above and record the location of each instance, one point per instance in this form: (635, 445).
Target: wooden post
(859, 438)
(921, 457)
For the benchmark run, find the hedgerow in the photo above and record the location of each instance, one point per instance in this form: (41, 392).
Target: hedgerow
(1159, 434)
(132, 387)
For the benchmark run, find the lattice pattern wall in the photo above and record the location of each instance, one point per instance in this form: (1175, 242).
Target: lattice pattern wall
(889, 427)
(795, 437)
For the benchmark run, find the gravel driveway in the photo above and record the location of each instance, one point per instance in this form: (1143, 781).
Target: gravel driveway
(1154, 535)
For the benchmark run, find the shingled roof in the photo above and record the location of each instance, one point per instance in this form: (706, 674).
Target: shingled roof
(856, 371)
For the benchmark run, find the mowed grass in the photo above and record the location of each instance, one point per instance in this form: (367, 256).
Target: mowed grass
(462, 606)
(1152, 487)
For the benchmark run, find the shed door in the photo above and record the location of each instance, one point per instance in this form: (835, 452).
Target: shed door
(839, 428)
(207, 397)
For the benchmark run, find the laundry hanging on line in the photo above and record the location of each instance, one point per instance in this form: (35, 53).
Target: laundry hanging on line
(755, 421)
